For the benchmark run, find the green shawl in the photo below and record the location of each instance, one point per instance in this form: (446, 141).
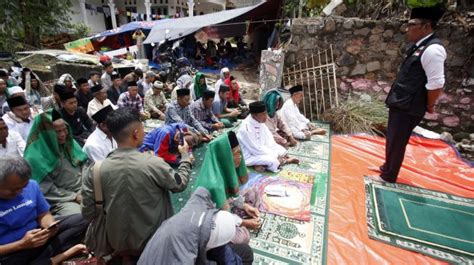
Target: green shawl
(43, 150)
(198, 88)
(271, 99)
(218, 172)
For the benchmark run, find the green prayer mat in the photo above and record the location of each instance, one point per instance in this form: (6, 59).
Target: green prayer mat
(282, 240)
(151, 124)
(429, 222)
(179, 199)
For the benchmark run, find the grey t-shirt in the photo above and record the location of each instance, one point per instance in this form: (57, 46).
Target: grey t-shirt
(218, 106)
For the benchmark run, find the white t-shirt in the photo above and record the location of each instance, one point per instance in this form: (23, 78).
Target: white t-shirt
(15, 145)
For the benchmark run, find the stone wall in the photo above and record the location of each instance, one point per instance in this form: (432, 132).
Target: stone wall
(368, 53)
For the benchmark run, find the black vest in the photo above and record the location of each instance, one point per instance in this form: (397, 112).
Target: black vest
(411, 79)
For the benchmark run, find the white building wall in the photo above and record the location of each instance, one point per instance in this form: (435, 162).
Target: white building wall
(95, 21)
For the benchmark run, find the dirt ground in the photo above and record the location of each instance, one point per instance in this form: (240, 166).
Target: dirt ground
(247, 77)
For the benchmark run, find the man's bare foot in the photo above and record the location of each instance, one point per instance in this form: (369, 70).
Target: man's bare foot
(292, 160)
(318, 131)
(259, 168)
(293, 142)
(374, 169)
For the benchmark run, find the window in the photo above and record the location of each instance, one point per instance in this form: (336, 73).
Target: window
(159, 10)
(131, 9)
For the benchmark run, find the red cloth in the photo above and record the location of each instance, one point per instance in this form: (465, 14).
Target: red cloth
(164, 153)
(234, 92)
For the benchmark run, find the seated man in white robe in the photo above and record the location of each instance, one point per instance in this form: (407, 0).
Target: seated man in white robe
(258, 145)
(300, 126)
(18, 119)
(100, 143)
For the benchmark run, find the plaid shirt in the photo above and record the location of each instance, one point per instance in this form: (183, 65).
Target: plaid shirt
(203, 115)
(177, 114)
(126, 101)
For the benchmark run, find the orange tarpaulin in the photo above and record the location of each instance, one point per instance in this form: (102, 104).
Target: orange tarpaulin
(430, 164)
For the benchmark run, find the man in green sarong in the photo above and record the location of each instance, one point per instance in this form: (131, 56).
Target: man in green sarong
(56, 160)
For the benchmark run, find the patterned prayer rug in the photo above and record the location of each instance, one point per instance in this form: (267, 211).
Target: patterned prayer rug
(281, 196)
(322, 138)
(312, 149)
(429, 222)
(282, 240)
(308, 165)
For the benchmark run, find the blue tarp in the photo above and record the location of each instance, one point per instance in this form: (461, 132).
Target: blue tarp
(129, 27)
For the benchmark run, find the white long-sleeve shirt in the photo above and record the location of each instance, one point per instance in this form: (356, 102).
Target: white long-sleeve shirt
(95, 105)
(292, 116)
(98, 145)
(17, 125)
(256, 141)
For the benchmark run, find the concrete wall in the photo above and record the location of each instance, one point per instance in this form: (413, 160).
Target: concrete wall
(368, 53)
(96, 21)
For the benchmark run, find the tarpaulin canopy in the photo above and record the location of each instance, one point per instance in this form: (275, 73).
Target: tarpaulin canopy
(114, 38)
(180, 27)
(132, 26)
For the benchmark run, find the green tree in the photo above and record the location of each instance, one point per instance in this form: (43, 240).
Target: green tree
(303, 8)
(26, 21)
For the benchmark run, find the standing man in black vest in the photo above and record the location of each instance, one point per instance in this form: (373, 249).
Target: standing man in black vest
(419, 82)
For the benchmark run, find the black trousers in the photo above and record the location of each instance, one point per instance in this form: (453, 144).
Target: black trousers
(399, 129)
(221, 254)
(71, 232)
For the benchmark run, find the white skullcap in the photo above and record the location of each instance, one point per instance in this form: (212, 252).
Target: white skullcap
(223, 231)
